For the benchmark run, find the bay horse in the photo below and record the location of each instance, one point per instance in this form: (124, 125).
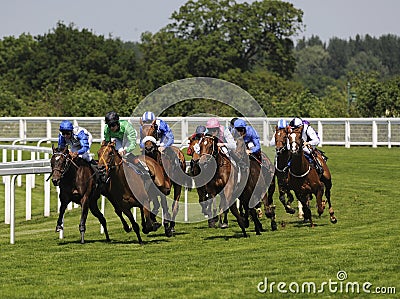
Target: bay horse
(224, 178)
(304, 180)
(77, 183)
(208, 205)
(117, 189)
(255, 189)
(280, 173)
(172, 160)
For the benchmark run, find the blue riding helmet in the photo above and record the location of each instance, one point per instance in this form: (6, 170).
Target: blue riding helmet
(282, 123)
(66, 125)
(201, 130)
(148, 116)
(239, 123)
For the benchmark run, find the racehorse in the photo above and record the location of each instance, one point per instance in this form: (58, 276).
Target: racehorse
(224, 179)
(173, 162)
(117, 189)
(77, 184)
(208, 205)
(258, 180)
(280, 174)
(304, 180)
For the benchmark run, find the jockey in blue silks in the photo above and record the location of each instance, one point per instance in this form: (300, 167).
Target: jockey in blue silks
(77, 138)
(165, 137)
(250, 137)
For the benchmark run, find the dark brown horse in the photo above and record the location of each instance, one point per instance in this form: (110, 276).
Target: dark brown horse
(173, 163)
(125, 188)
(223, 177)
(256, 184)
(208, 205)
(77, 184)
(304, 180)
(281, 171)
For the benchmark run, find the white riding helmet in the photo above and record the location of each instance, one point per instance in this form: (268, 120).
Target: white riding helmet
(296, 122)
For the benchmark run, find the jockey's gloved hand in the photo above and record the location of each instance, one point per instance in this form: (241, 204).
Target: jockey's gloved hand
(122, 151)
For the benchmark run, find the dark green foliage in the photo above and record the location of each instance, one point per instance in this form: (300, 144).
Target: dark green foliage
(74, 72)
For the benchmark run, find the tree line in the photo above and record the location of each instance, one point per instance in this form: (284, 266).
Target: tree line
(74, 72)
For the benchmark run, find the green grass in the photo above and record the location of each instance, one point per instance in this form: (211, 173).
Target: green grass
(199, 262)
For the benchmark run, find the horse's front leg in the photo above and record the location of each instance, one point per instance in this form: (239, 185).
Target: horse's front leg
(84, 213)
(94, 208)
(64, 203)
(175, 205)
(166, 216)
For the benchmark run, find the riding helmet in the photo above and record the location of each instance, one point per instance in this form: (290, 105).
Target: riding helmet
(240, 123)
(111, 117)
(212, 123)
(282, 123)
(66, 125)
(201, 130)
(148, 116)
(296, 122)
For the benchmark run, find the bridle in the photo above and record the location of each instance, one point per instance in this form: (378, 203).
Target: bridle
(67, 164)
(111, 164)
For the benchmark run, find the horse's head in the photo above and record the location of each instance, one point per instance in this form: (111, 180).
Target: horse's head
(281, 139)
(295, 140)
(149, 129)
(108, 156)
(150, 145)
(208, 148)
(60, 162)
(194, 148)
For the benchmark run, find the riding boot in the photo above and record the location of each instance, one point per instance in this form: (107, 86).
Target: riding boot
(239, 162)
(93, 164)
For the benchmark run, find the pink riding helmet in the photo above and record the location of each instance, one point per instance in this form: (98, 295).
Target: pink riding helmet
(212, 123)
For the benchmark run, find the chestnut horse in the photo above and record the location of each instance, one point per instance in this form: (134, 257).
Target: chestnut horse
(120, 177)
(77, 184)
(173, 163)
(304, 179)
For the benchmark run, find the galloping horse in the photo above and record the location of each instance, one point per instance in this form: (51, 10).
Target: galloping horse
(254, 191)
(118, 191)
(77, 184)
(280, 174)
(208, 205)
(172, 163)
(224, 180)
(304, 180)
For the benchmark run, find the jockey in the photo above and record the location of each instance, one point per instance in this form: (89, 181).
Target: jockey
(311, 140)
(250, 137)
(79, 140)
(282, 123)
(124, 135)
(164, 135)
(225, 140)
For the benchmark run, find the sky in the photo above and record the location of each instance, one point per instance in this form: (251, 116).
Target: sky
(128, 19)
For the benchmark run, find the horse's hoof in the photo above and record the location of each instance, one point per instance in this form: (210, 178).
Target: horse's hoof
(333, 220)
(290, 210)
(128, 229)
(211, 224)
(168, 232)
(274, 227)
(301, 216)
(145, 231)
(59, 228)
(156, 226)
(223, 225)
